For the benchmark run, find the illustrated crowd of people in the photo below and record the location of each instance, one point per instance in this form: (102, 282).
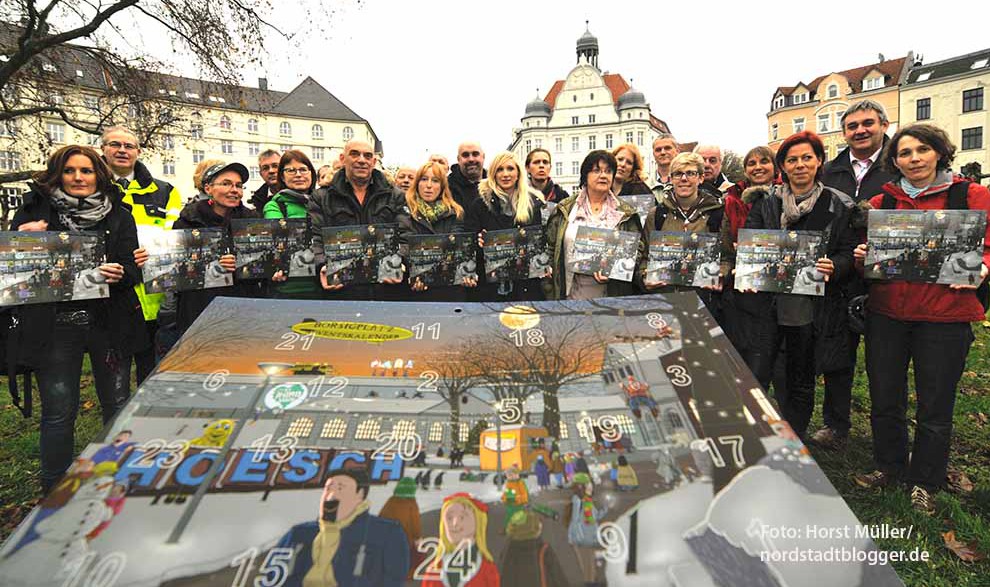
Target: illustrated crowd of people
(792, 188)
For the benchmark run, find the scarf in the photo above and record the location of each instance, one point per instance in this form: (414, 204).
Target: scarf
(80, 213)
(911, 191)
(587, 510)
(325, 547)
(609, 217)
(431, 211)
(301, 198)
(794, 207)
(507, 202)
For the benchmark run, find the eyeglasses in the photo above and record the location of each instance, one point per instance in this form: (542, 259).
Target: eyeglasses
(115, 145)
(227, 184)
(601, 171)
(296, 171)
(682, 174)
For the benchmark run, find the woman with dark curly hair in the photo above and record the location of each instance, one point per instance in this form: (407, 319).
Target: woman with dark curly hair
(926, 324)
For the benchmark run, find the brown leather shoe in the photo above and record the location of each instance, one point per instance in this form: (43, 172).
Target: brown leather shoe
(828, 438)
(875, 480)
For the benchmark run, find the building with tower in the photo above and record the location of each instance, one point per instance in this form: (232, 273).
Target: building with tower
(589, 109)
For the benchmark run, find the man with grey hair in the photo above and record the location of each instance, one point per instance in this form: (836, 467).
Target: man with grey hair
(155, 205)
(856, 171)
(665, 148)
(715, 181)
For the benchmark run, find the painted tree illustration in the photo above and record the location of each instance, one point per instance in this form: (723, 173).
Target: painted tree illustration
(454, 378)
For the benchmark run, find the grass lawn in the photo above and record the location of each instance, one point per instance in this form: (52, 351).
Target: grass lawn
(967, 514)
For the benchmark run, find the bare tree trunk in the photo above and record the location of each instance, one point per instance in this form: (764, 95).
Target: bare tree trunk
(551, 412)
(455, 419)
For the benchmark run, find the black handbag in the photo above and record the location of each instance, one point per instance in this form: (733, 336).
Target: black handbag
(857, 314)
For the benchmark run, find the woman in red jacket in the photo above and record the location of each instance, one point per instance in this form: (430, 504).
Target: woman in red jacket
(923, 323)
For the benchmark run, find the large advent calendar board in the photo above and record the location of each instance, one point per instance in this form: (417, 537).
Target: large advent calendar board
(619, 441)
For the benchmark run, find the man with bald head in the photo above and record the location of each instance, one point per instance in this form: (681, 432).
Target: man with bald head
(360, 195)
(467, 173)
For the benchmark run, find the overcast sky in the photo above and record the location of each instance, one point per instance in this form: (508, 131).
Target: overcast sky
(428, 75)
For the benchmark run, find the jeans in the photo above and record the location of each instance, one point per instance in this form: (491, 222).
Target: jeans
(799, 362)
(938, 351)
(58, 383)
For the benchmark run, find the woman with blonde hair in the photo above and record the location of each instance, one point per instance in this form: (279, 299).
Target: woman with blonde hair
(505, 201)
(432, 210)
(463, 554)
(629, 171)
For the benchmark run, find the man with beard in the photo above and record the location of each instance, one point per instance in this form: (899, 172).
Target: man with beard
(347, 546)
(467, 173)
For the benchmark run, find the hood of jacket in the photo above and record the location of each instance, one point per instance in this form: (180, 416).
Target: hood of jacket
(564, 207)
(706, 202)
(753, 194)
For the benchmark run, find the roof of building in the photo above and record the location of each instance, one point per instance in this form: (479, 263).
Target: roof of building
(890, 68)
(633, 98)
(617, 86)
(977, 62)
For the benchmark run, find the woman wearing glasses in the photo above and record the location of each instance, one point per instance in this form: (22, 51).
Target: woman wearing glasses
(296, 181)
(224, 184)
(685, 208)
(596, 206)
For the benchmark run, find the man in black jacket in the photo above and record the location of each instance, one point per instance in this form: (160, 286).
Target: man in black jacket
(268, 166)
(358, 195)
(467, 173)
(855, 171)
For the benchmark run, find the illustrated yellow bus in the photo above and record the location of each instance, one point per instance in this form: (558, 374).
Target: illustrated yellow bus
(520, 445)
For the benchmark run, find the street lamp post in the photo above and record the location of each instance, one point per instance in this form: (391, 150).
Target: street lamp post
(269, 369)
(498, 441)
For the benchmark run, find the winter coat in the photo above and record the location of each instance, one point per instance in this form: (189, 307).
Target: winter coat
(478, 217)
(929, 302)
(190, 304)
(294, 208)
(487, 575)
(831, 213)
(531, 563)
(445, 224)
(405, 511)
(336, 205)
(386, 553)
(120, 315)
(839, 174)
(555, 286)
(717, 186)
(259, 199)
(463, 189)
(552, 192)
(634, 187)
(542, 473)
(580, 533)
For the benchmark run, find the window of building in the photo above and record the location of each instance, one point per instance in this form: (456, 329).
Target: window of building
(773, 131)
(801, 98)
(629, 137)
(558, 145)
(873, 83)
(923, 109)
(591, 96)
(196, 130)
(799, 124)
(538, 143)
(564, 433)
(529, 145)
(57, 99)
(833, 91)
(972, 138)
(254, 171)
(972, 100)
(924, 77)
(558, 168)
(465, 431)
(436, 432)
(348, 133)
(403, 429)
(254, 148)
(980, 63)
(823, 122)
(575, 144)
(334, 428)
(674, 420)
(168, 142)
(168, 167)
(301, 427)
(574, 98)
(252, 125)
(198, 155)
(55, 132)
(317, 132)
(225, 123)
(93, 140)
(574, 120)
(575, 168)
(284, 129)
(284, 148)
(10, 161)
(591, 119)
(227, 147)
(92, 103)
(778, 102)
(585, 431)
(368, 429)
(318, 153)
(8, 128)
(608, 141)
(592, 142)
(639, 138)
(626, 424)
